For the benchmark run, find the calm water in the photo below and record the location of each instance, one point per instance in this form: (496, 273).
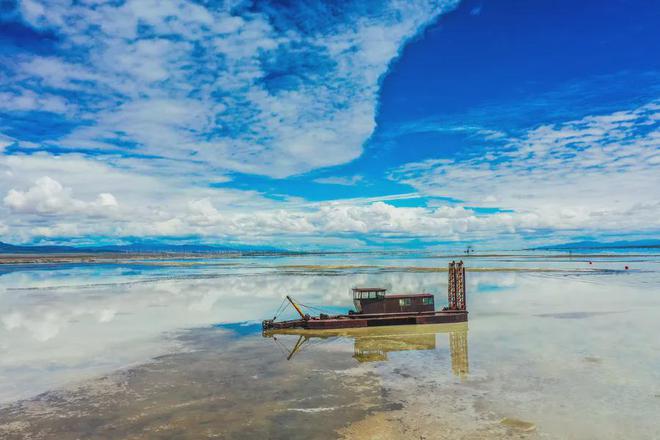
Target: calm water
(556, 347)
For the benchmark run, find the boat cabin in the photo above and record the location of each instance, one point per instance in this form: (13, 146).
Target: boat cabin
(368, 300)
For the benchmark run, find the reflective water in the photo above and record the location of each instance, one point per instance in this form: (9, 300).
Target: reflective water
(556, 347)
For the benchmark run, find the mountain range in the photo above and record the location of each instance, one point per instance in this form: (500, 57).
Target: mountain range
(149, 247)
(648, 243)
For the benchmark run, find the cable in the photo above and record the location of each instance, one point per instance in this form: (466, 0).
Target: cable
(281, 347)
(314, 308)
(281, 311)
(277, 312)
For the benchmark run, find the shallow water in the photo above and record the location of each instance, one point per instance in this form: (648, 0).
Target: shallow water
(556, 347)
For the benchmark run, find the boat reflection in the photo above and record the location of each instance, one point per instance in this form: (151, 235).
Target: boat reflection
(374, 344)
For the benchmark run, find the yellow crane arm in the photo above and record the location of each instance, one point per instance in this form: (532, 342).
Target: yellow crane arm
(295, 306)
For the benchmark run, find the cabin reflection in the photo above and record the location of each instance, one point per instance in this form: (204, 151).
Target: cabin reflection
(376, 344)
(376, 348)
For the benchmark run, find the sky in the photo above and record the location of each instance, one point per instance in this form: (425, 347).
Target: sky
(329, 125)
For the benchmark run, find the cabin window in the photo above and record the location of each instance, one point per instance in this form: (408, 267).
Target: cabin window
(372, 295)
(403, 302)
(427, 300)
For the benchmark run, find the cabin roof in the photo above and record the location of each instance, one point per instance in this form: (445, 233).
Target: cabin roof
(409, 295)
(369, 289)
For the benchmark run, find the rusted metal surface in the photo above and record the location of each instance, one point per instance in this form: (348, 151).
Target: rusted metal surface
(456, 286)
(398, 303)
(317, 324)
(409, 295)
(368, 289)
(352, 321)
(374, 308)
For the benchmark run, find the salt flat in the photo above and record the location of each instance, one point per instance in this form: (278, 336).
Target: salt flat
(556, 346)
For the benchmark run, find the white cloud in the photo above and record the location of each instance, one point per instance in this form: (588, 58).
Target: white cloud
(611, 159)
(57, 73)
(5, 141)
(27, 100)
(594, 173)
(48, 196)
(123, 203)
(274, 91)
(192, 91)
(341, 180)
(106, 200)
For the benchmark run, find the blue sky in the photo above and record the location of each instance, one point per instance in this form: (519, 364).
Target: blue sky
(329, 124)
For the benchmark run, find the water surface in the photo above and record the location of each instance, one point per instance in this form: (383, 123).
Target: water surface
(555, 347)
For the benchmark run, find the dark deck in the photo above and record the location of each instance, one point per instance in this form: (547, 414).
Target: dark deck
(372, 320)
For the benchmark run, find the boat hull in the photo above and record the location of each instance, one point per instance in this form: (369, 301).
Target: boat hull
(373, 320)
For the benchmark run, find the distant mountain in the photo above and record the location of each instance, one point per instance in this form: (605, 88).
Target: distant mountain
(638, 244)
(6, 248)
(146, 248)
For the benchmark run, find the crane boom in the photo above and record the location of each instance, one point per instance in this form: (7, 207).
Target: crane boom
(295, 306)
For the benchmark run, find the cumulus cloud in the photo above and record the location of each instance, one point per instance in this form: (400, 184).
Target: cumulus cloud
(591, 174)
(48, 196)
(76, 206)
(180, 213)
(64, 196)
(266, 89)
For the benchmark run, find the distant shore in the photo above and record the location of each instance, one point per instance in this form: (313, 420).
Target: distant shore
(113, 257)
(196, 258)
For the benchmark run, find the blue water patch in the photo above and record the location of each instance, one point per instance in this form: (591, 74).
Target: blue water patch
(245, 328)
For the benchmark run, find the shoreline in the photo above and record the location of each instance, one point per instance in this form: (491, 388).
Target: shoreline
(13, 262)
(162, 258)
(111, 257)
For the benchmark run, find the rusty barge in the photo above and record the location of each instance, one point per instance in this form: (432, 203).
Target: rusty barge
(374, 307)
